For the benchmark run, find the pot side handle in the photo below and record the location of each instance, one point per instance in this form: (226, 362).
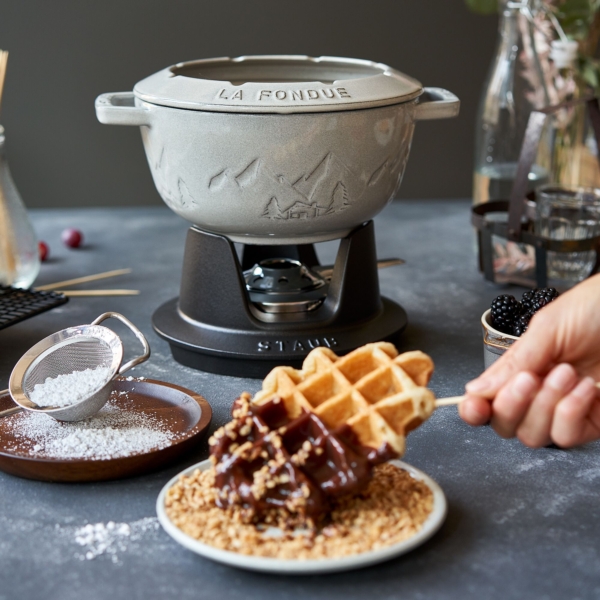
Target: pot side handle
(437, 103)
(118, 108)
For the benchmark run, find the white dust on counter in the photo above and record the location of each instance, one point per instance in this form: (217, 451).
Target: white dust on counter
(48, 545)
(112, 539)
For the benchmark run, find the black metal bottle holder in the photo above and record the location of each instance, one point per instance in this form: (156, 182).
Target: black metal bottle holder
(519, 224)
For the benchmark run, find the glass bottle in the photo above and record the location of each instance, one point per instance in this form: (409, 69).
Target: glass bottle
(514, 87)
(19, 255)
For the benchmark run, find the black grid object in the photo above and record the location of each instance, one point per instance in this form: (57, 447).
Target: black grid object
(17, 305)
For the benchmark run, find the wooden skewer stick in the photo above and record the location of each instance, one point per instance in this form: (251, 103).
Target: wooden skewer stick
(449, 401)
(98, 292)
(85, 279)
(458, 399)
(3, 63)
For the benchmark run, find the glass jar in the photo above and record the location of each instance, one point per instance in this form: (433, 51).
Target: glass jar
(19, 254)
(568, 213)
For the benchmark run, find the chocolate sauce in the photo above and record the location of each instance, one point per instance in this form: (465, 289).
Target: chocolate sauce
(267, 460)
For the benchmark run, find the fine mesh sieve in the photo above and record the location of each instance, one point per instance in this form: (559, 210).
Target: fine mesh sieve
(72, 356)
(73, 349)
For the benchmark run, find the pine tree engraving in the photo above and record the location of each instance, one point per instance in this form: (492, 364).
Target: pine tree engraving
(339, 196)
(272, 210)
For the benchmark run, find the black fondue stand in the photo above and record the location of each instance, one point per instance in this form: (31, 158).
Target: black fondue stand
(213, 326)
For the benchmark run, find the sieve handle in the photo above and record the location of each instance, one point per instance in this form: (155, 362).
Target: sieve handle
(138, 334)
(9, 411)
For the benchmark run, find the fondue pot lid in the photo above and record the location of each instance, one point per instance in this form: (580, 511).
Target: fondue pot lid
(278, 84)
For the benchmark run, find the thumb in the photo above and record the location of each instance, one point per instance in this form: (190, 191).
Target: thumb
(533, 351)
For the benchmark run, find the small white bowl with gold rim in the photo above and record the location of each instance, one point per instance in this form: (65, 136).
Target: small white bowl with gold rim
(495, 343)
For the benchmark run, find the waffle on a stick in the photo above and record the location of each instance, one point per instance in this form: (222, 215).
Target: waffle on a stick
(378, 393)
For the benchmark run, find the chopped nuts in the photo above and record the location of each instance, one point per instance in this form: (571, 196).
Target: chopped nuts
(392, 508)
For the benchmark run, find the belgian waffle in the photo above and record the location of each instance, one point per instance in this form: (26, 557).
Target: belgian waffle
(378, 393)
(315, 434)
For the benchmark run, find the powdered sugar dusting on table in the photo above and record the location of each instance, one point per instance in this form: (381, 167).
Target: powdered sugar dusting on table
(113, 433)
(70, 388)
(111, 539)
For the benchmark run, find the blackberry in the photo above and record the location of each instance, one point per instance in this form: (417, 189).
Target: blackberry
(521, 324)
(543, 297)
(527, 301)
(505, 310)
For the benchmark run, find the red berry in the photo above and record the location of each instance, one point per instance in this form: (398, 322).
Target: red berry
(43, 250)
(72, 237)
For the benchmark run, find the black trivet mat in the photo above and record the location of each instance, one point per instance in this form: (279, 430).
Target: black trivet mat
(17, 305)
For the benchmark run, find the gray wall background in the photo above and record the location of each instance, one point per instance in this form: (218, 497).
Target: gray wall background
(63, 53)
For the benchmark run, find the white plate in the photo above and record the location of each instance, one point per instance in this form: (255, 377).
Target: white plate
(309, 566)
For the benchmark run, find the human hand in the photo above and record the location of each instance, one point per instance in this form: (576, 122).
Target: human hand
(542, 389)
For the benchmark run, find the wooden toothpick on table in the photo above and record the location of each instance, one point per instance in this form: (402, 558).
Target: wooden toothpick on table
(98, 292)
(84, 279)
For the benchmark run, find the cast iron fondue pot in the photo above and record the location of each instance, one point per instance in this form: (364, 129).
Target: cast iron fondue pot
(277, 149)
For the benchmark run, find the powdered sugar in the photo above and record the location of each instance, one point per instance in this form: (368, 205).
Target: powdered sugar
(112, 538)
(70, 388)
(114, 432)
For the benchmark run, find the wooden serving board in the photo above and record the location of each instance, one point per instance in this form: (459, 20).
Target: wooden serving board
(183, 412)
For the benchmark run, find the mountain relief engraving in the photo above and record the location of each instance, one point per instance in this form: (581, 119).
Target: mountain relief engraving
(331, 187)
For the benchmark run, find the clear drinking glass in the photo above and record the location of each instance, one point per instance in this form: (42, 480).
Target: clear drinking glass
(568, 213)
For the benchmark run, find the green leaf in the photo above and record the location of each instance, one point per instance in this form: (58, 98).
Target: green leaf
(576, 16)
(484, 7)
(589, 69)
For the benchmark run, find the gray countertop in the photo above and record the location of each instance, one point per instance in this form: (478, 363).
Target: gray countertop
(521, 523)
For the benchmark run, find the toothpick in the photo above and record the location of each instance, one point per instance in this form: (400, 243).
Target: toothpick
(98, 292)
(85, 279)
(3, 64)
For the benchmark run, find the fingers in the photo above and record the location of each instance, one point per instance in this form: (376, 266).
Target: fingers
(534, 429)
(490, 381)
(475, 411)
(571, 424)
(534, 351)
(508, 408)
(560, 409)
(513, 402)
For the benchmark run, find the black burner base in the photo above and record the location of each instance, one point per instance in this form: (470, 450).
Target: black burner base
(214, 327)
(255, 353)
